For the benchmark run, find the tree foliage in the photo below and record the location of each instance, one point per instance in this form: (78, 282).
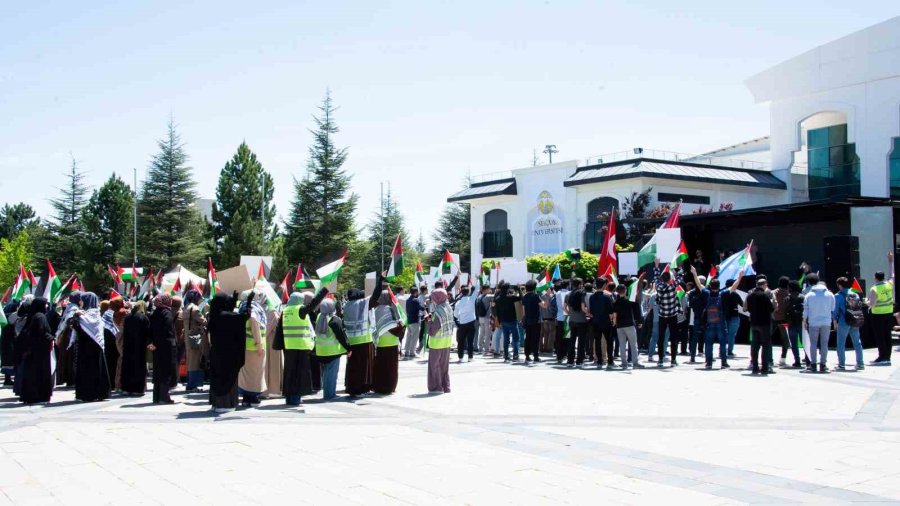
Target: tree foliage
(453, 233)
(65, 234)
(237, 213)
(16, 218)
(386, 225)
(13, 252)
(171, 230)
(585, 268)
(636, 207)
(321, 221)
(108, 227)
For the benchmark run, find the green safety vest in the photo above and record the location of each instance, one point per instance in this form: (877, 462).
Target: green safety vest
(388, 340)
(884, 298)
(251, 342)
(440, 341)
(298, 332)
(327, 345)
(362, 338)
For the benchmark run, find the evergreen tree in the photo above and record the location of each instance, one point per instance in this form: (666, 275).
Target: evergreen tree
(237, 212)
(384, 225)
(171, 230)
(16, 218)
(321, 221)
(108, 228)
(420, 245)
(65, 234)
(13, 252)
(453, 233)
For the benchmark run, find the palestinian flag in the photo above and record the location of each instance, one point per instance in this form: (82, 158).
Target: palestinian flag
(6, 294)
(434, 273)
(212, 282)
(329, 272)
(285, 290)
(713, 272)
(679, 292)
(302, 280)
(447, 261)
(647, 254)
(261, 273)
(544, 283)
(681, 255)
(396, 267)
(130, 275)
(3, 321)
(401, 311)
(176, 288)
(573, 254)
(114, 274)
(66, 288)
(672, 220)
(802, 279)
(856, 287)
(633, 290)
(77, 286)
(113, 294)
(611, 275)
(23, 284)
(420, 273)
(54, 285)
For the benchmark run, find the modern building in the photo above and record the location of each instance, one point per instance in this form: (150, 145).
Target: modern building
(834, 141)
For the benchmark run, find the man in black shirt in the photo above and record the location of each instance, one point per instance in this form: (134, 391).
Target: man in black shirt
(531, 302)
(577, 323)
(600, 309)
(760, 306)
(626, 317)
(506, 313)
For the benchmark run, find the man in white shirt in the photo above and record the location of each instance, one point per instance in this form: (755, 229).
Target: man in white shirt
(464, 312)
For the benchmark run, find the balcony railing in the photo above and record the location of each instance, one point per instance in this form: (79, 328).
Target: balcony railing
(497, 244)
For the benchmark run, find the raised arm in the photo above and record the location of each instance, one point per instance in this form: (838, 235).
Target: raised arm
(696, 278)
(737, 282)
(314, 303)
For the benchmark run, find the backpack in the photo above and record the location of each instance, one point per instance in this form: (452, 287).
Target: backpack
(794, 311)
(713, 309)
(480, 310)
(554, 306)
(854, 314)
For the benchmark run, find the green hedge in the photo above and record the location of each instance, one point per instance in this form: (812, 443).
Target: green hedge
(585, 268)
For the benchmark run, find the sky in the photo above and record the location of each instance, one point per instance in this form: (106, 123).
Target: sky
(428, 92)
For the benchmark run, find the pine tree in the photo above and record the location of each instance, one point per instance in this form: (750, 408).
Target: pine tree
(321, 221)
(65, 233)
(383, 225)
(171, 230)
(108, 228)
(16, 218)
(453, 233)
(420, 245)
(236, 214)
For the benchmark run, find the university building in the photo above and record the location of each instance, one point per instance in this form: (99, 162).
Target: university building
(825, 180)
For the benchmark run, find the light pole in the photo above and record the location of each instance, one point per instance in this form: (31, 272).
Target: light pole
(134, 212)
(550, 149)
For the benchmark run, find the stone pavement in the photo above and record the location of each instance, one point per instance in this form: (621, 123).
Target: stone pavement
(507, 434)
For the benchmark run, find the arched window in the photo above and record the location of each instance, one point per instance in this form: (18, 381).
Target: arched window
(600, 206)
(495, 221)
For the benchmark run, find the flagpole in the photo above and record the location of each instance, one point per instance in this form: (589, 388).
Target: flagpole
(135, 214)
(382, 227)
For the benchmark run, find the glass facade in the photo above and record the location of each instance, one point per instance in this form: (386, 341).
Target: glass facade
(895, 169)
(833, 164)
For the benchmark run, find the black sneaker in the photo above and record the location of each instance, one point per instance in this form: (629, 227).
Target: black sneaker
(754, 371)
(708, 366)
(537, 359)
(674, 363)
(725, 365)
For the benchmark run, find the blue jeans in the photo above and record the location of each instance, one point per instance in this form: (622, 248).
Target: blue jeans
(696, 333)
(732, 325)
(715, 331)
(654, 339)
(194, 379)
(510, 328)
(842, 332)
(496, 340)
(329, 378)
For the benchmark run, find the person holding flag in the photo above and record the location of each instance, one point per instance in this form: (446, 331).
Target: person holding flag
(464, 312)
(711, 317)
(389, 329)
(849, 316)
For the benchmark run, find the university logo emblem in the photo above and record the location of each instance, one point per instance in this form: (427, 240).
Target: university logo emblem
(545, 202)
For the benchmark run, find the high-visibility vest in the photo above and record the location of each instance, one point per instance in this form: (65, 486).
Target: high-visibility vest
(440, 341)
(387, 340)
(251, 342)
(361, 336)
(884, 298)
(327, 344)
(298, 332)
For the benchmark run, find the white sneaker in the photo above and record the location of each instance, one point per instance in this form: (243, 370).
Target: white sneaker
(782, 363)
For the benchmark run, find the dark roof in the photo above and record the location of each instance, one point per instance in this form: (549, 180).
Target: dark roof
(485, 189)
(683, 171)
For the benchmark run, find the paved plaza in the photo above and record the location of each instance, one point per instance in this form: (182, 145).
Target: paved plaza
(508, 434)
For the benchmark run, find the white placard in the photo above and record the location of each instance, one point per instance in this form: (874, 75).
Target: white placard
(667, 242)
(628, 263)
(511, 271)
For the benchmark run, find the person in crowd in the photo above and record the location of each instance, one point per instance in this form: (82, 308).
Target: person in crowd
(19, 328)
(577, 324)
(651, 315)
(296, 336)
(35, 345)
(252, 380)
(731, 306)
(274, 357)
(497, 329)
(599, 312)
(626, 317)
(164, 347)
(110, 337)
(177, 303)
(92, 382)
(695, 325)
(562, 343)
(818, 309)
(414, 309)
(531, 303)
(425, 302)
(358, 327)
(120, 310)
(520, 317)
(712, 317)
(8, 343)
(331, 343)
(483, 313)
(466, 319)
(136, 336)
(506, 313)
(781, 298)
(684, 328)
(196, 340)
(667, 305)
(440, 330)
(388, 331)
(548, 321)
(760, 306)
(881, 309)
(227, 344)
(65, 342)
(849, 316)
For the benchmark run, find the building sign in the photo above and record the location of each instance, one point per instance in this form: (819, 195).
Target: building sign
(545, 231)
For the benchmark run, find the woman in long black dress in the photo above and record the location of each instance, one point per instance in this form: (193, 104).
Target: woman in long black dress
(91, 374)
(36, 342)
(135, 339)
(65, 342)
(164, 348)
(227, 342)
